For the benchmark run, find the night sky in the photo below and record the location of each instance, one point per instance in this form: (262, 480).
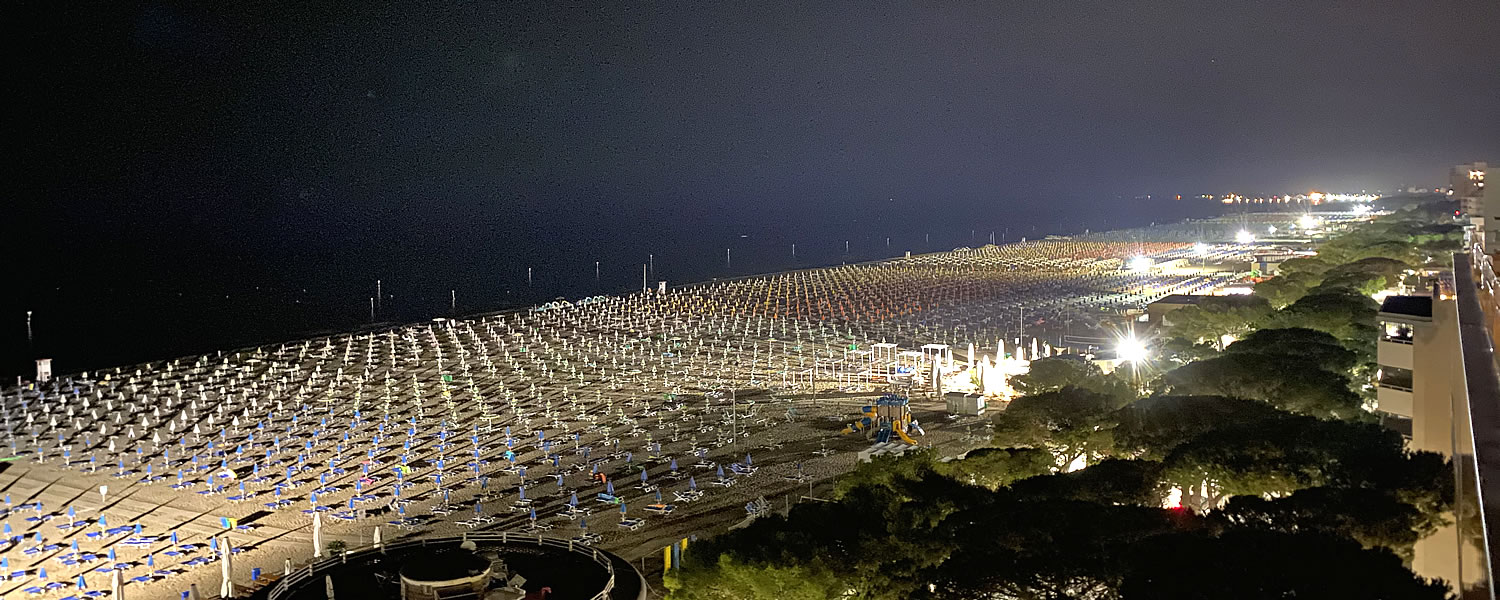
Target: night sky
(197, 149)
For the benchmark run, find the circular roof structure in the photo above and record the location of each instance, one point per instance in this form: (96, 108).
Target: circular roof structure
(572, 571)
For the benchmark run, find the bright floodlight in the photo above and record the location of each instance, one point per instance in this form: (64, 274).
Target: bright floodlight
(1270, 229)
(1141, 264)
(1200, 249)
(1244, 237)
(1361, 209)
(1131, 350)
(1307, 222)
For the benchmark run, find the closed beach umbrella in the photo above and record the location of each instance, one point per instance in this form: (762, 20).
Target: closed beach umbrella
(226, 585)
(317, 538)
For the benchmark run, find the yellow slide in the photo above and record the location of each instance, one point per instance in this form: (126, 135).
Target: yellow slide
(904, 437)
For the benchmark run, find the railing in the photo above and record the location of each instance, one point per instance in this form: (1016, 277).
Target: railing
(311, 570)
(1391, 385)
(1477, 441)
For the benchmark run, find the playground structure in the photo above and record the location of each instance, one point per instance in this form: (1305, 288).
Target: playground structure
(889, 417)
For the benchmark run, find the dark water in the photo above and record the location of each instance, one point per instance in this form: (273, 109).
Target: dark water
(130, 298)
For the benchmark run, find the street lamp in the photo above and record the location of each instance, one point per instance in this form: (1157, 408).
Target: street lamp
(1134, 351)
(1131, 350)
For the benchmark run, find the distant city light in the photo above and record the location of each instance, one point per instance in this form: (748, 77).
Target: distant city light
(1244, 237)
(1141, 264)
(1200, 249)
(1311, 222)
(1271, 229)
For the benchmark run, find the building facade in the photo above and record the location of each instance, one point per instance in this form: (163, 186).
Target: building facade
(1466, 184)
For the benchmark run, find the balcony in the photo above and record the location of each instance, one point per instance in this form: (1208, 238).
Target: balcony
(1394, 353)
(1394, 401)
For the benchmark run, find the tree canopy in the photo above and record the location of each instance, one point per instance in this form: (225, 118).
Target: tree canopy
(1072, 423)
(1217, 316)
(1317, 347)
(1111, 481)
(1054, 373)
(1375, 518)
(1294, 454)
(1152, 427)
(993, 468)
(1286, 382)
(1287, 565)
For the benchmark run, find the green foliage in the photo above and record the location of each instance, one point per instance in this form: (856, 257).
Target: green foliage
(1286, 382)
(1311, 266)
(335, 547)
(1294, 454)
(729, 579)
(1152, 427)
(1286, 288)
(993, 468)
(1018, 548)
(1182, 351)
(1071, 423)
(1388, 269)
(889, 472)
(1317, 347)
(1300, 565)
(1111, 481)
(1374, 518)
(1217, 316)
(1346, 315)
(1054, 373)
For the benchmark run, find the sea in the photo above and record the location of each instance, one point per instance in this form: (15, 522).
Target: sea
(120, 314)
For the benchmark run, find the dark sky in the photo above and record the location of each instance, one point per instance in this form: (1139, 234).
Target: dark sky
(289, 142)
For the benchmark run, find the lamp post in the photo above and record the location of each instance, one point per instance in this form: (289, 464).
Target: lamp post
(1134, 351)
